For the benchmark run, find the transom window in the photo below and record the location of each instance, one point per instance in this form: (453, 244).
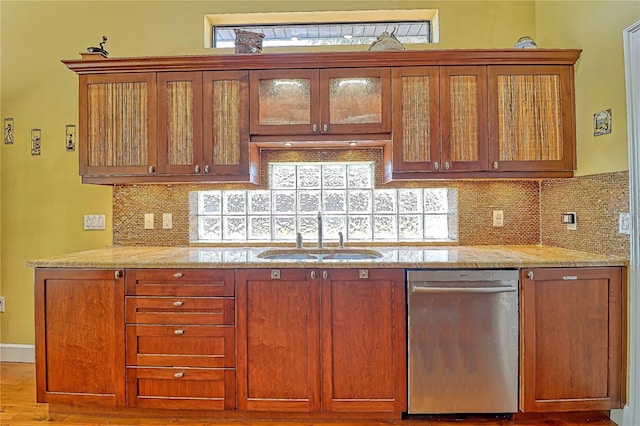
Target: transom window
(324, 28)
(343, 194)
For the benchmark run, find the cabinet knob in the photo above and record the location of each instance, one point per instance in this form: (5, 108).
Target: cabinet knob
(178, 375)
(314, 128)
(178, 303)
(117, 275)
(151, 170)
(363, 274)
(275, 274)
(178, 332)
(495, 165)
(436, 165)
(206, 168)
(530, 275)
(446, 165)
(197, 168)
(325, 274)
(325, 128)
(313, 275)
(178, 275)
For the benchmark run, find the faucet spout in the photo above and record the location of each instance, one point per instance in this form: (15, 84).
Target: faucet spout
(319, 230)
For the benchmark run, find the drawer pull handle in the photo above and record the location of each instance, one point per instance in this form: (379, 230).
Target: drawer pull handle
(178, 303)
(178, 332)
(178, 374)
(178, 275)
(569, 277)
(117, 275)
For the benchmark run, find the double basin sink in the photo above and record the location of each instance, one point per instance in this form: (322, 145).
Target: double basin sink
(319, 254)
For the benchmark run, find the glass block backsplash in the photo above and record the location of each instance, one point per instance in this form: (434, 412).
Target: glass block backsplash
(344, 195)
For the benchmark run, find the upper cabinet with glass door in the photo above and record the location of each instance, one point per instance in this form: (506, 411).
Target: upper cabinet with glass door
(317, 102)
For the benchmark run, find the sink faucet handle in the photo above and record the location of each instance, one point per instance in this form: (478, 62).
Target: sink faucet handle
(298, 240)
(340, 240)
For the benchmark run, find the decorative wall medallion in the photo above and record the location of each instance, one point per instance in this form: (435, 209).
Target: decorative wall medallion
(602, 122)
(8, 130)
(70, 137)
(36, 141)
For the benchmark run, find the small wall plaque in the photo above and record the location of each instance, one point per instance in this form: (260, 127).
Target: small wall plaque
(8, 130)
(70, 137)
(602, 122)
(36, 141)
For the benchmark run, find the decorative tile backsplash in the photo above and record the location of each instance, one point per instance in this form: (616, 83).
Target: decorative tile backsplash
(531, 208)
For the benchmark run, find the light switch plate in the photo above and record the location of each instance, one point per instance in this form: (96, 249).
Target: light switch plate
(624, 223)
(148, 221)
(93, 222)
(167, 221)
(498, 218)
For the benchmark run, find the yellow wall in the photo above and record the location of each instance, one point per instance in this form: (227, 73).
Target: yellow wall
(42, 199)
(596, 27)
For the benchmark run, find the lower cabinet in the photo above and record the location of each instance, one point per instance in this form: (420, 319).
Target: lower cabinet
(572, 339)
(79, 335)
(321, 340)
(180, 344)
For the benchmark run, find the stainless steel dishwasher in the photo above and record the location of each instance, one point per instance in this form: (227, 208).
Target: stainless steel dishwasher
(462, 341)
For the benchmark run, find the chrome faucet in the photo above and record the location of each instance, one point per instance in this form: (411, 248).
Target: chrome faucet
(340, 240)
(319, 230)
(298, 240)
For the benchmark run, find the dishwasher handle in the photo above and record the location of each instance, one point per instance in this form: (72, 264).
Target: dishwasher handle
(444, 290)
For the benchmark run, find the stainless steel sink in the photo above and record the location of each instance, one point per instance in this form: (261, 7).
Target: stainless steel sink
(320, 254)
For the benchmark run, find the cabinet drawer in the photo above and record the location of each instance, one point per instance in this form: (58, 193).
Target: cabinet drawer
(180, 310)
(187, 346)
(180, 282)
(168, 388)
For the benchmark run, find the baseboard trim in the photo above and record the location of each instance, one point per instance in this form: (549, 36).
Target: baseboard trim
(17, 353)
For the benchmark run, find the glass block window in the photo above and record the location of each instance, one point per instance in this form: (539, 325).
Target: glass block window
(345, 196)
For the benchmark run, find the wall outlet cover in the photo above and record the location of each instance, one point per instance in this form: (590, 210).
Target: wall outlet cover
(148, 221)
(624, 223)
(498, 218)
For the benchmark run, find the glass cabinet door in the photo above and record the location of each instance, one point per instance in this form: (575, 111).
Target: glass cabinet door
(284, 102)
(355, 100)
(316, 102)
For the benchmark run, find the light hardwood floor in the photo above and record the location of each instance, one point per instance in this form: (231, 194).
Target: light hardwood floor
(18, 408)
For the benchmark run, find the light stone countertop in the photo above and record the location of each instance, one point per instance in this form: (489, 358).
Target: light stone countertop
(491, 257)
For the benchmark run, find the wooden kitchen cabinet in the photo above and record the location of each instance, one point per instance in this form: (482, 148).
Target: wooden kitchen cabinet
(572, 322)
(79, 318)
(363, 340)
(203, 124)
(180, 347)
(439, 120)
(320, 101)
(356, 364)
(531, 118)
(117, 125)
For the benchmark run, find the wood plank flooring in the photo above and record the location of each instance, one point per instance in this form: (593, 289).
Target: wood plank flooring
(18, 408)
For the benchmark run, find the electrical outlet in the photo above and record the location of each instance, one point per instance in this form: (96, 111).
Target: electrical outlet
(498, 218)
(148, 221)
(93, 221)
(1, 304)
(624, 223)
(167, 221)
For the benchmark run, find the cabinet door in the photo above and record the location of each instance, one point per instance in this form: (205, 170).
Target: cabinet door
(531, 118)
(79, 325)
(416, 120)
(284, 102)
(363, 340)
(226, 125)
(571, 339)
(117, 124)
(355, 100)
(463, 118)
(179, 122)
(277, 340)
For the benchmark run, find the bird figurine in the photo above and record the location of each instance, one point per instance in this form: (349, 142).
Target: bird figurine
(99, 49)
